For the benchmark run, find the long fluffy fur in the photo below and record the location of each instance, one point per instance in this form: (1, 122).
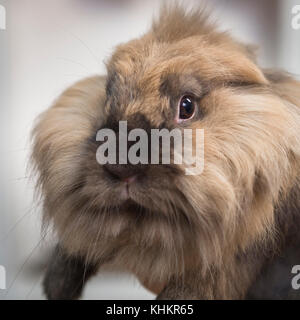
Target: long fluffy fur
(206, 236)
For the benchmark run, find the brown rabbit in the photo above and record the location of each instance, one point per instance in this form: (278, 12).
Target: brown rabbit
(222, 234)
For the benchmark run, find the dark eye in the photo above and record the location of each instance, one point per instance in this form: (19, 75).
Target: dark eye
(186, 108)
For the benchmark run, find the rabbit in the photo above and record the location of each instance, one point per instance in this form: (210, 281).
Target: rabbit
(214, 235)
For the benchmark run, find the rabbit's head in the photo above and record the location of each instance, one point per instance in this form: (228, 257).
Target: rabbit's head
(185, 75)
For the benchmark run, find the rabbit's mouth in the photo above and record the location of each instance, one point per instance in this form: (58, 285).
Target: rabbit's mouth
(136, 195)
(130, 194)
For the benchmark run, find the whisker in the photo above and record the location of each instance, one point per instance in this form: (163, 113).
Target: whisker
(24, 264)
(39, 280)
(84, 44)
(30, 211)
(75, 62)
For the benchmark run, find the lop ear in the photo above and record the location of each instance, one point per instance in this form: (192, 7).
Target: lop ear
(239, 67)
(219, 64)
(60, 130)
(215, 55)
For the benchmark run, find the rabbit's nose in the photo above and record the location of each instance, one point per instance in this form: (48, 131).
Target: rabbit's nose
(125, 172)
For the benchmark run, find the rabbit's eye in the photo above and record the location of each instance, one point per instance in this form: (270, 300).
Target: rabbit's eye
(187, 106)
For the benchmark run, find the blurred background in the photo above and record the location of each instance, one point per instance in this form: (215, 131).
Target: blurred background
(49, 44)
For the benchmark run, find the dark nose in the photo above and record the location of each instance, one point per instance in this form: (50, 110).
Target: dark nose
(128, 172)
(125, 172)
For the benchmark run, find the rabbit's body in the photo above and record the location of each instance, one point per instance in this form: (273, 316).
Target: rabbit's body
(208, 236)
